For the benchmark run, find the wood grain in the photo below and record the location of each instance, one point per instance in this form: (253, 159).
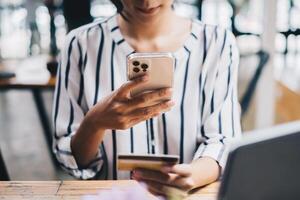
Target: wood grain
(29, 188)
(74, 190)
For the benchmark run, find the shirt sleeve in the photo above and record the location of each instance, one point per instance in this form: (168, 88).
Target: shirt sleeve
(69, 109)
(221, 117)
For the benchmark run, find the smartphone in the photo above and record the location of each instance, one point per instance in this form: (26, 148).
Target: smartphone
(159, 67)
(130, 162)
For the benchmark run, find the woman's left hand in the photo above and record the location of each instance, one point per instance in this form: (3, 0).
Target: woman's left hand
(177, 176)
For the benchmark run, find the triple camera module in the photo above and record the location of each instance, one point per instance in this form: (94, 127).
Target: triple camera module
(139, 67)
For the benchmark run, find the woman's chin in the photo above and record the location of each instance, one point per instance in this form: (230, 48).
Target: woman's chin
(147, 14)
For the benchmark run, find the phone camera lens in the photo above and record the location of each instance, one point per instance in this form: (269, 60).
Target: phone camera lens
(145, 66)
(136, 70)
(136, 63)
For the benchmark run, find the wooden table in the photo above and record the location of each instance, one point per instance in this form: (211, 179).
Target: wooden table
(73, 190)
(287, 104)
(30, 73)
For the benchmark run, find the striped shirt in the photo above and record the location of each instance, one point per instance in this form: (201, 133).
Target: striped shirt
(201, 124)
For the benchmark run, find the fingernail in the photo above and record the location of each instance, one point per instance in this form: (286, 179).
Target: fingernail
(171, 103)
(145, 78)
(166, 169)
(137, 174)
(170, 90)
(133, 175)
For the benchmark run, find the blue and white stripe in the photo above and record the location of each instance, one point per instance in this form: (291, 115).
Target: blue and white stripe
(93, 64)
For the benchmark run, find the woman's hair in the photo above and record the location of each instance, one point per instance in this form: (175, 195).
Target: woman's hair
(118, 4)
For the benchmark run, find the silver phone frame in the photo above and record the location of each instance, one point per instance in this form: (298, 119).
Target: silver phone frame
(149, 55)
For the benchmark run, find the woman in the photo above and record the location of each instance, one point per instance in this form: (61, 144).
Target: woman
(95, 117)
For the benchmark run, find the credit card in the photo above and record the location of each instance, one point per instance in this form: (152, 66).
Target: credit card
(130, 162)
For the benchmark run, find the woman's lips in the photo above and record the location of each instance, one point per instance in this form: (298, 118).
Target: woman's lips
(148, 11)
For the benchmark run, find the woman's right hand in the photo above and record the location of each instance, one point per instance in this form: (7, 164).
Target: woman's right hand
(120, 111)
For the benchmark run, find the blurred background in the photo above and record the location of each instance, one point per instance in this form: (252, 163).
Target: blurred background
(32, 33)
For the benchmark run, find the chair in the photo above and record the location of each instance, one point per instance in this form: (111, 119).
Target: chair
(250, 90)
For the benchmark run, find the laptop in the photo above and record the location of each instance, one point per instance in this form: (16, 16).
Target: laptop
(265, 165)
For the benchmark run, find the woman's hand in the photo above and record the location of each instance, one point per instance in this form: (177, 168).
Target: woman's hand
(182, 176)
(121, 111)
(178, 176)
(118, 111)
